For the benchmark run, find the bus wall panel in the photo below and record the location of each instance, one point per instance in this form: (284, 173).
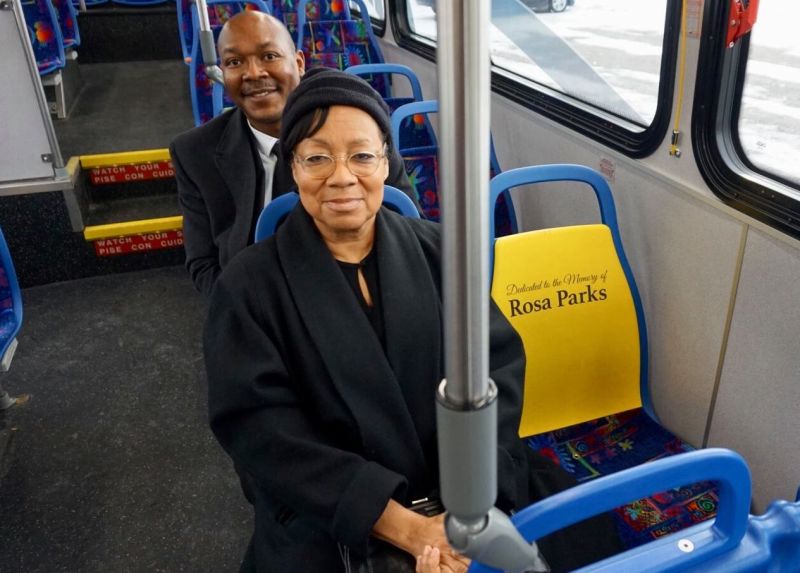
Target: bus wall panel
(757, 404)
(683, 250)
(683, 253)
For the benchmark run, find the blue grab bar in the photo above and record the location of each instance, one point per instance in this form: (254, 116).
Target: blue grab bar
(369, 69)
(674, 552)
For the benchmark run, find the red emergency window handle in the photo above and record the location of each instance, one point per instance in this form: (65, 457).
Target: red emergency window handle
(741, 20)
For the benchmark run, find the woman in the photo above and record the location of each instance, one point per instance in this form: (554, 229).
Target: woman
(323, 349)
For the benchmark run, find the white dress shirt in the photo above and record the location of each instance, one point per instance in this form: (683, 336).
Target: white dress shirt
(266, 144)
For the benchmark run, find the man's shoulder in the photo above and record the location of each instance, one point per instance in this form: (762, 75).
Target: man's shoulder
(207, 134)
(255, 263)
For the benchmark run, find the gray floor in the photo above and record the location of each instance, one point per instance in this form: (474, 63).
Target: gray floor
(111, 466)
(127, 106)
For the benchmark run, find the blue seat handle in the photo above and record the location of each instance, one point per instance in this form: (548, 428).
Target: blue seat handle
(408, 110)
(273, 214)
(402, 203)
(399, 69)
(673, 552)
(558, 172)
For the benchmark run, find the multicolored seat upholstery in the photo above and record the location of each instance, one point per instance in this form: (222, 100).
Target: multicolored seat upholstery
(570, 294)
(45, 34)
(422, 165)
(208, 97)
(286, 12)
(68, 22)
(328, 36)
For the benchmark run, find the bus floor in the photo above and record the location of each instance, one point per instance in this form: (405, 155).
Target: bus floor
(110, 465)
(127, 106)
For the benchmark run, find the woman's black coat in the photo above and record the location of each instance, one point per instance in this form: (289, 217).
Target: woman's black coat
(324, 424)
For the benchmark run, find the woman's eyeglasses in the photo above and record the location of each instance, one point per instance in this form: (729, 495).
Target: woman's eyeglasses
(322, 166)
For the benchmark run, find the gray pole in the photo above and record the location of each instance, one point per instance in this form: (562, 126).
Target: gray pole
(463, 56)
(466, 406)
(207, 46)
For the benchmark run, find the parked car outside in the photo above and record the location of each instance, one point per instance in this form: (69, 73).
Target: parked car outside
(549, 5)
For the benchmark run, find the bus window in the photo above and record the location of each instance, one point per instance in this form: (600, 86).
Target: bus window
(422, 18)
(607, 54)
(602, 68)
(746, 118)
(769, 118)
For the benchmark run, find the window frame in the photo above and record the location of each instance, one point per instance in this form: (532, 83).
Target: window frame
(378, 26)
(600, 125)
(721, 158)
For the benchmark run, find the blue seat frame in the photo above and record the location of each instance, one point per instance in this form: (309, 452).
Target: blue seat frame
(503, 182)
(417, 157)
(277, 210)
(10, 299)
(10, 315)
(410, 135)
(734, 542)
(641, 425)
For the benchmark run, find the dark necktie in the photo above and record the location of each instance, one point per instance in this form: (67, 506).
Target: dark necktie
(282, 180)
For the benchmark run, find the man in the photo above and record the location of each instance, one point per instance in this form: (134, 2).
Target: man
(229, 169)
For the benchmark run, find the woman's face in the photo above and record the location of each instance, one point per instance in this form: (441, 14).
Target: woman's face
(342, 204)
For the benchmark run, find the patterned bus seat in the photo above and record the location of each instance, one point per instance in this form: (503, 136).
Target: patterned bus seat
(45, 34)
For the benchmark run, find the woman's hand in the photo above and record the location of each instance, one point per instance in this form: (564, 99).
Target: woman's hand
(433, 561)
(428, 562)
(412, 532)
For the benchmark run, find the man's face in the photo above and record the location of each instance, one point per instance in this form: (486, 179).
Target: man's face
(260, 67)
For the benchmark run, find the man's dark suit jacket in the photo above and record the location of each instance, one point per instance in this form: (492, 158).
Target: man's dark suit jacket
(220, 188)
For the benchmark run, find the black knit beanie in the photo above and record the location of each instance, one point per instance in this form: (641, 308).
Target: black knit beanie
(326, 87)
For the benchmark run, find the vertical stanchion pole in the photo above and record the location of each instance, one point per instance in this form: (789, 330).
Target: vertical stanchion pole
(463, 57)
(466, 403)
(207, 47)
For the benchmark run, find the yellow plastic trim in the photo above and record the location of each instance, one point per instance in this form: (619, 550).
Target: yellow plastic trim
(123, 158)
(126, 228)
(73, 164)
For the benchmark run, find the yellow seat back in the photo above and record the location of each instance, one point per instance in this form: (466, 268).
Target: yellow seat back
(565, 293)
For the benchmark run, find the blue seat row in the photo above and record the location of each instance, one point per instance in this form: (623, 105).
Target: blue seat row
(123, 2)
(52, 28)
(324, 30)
(409, 125)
